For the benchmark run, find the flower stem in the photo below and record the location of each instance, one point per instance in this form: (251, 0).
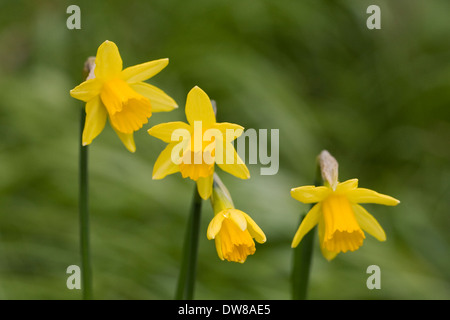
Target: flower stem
(302, 257)
(86, 274)
(186, 280)
(302, 265)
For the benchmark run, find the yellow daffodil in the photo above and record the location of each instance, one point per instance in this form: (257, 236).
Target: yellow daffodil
(120, 95)
(341, 220)
(205, 143)
(233, 230)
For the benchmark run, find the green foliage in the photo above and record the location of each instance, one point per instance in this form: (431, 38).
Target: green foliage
(378, 100)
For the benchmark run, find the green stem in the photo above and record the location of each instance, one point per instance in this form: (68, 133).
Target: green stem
(302, 257)
(188, 271)
(86, 274)
(302, 265)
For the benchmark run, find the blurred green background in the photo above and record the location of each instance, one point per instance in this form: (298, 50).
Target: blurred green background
(378, 100)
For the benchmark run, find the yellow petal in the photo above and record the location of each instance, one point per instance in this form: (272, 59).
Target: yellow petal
(215, 225)
(218, 242)
(347, 185)
(108, 63)
(143, 71)
(254, 229)
(164, 165)
(87, 90)
(199, 108)
(238, 218)
(234, 130)
(362, 195)
(329, 255)
(127, 139)
(308, 222)
(368, 223)
(310, 194)
(204, 187)
(95, 120)
(164, 131)
(160, 101)
(231, 162)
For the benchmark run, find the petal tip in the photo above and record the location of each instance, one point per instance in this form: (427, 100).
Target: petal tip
(164, 62)
(295, 242)
(132, 148)
(210, 235)
(393, 202)
(204, 197)
(197, 89)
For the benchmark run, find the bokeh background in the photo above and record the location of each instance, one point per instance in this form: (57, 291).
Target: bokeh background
(378, 100)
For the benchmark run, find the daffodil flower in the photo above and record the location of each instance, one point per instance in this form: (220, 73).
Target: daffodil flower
(341, 220)
(233, 230)
(120, 95)
(202, 139)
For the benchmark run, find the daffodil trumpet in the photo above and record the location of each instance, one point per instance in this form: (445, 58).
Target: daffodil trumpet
(232, 230)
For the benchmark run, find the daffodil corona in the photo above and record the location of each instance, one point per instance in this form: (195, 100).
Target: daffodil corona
(205, 143)
(233, 230)
(120, 95)
(340, 218)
